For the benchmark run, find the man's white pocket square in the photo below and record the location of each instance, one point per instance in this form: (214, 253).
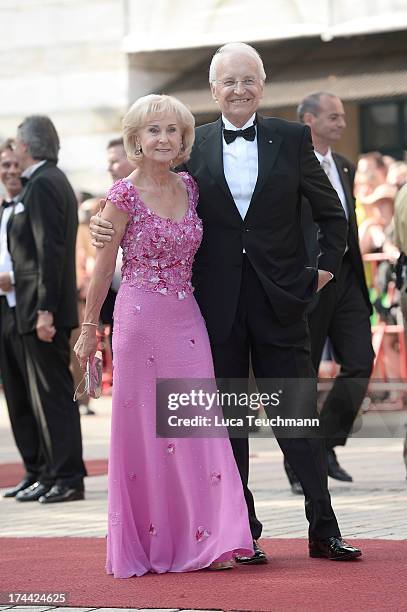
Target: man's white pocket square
(19, 208)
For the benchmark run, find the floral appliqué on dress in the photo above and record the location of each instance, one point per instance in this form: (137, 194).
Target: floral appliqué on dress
(158, 252)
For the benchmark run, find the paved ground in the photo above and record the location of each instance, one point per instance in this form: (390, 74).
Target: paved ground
(373, 506)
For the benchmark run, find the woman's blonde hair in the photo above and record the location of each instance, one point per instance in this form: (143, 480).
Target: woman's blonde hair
(151, 105)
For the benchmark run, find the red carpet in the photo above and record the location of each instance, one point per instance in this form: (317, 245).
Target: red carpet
(12, 473)
(291, 581)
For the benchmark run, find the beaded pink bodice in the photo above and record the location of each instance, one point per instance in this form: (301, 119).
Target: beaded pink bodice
(158, 252)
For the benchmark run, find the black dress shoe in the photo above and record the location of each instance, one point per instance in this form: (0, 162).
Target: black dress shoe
(24, 484)
(295, 484)
(335, 470)
(32, 493)
(259, 557)
(62, 493)
(334, 549)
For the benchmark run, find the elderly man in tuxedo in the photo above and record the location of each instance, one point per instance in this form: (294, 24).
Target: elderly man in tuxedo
(341, 311)
(41, 238)
(250, 274)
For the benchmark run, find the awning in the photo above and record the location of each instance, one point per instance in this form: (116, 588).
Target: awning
(278, 94)
(355, 68)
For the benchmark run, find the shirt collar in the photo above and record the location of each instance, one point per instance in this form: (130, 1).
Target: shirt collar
(28, 172)
(230, 126)
(327, 156)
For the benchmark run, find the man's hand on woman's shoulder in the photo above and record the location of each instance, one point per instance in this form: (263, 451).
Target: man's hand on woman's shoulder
(101, 230)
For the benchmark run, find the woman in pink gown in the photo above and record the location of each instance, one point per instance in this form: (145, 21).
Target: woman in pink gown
(175, 505)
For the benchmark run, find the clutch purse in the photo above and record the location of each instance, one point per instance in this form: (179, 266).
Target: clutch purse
(92, 378)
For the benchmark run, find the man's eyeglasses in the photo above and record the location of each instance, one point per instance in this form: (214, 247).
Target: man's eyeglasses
(232, 83)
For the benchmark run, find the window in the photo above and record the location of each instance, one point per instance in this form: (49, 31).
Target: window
(384, 127)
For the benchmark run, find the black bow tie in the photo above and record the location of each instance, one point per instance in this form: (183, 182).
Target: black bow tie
(248, 134)
(7, 203)
(24, 180)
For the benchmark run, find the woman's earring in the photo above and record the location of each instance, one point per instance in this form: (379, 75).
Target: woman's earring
(138, 150)
(182, 148)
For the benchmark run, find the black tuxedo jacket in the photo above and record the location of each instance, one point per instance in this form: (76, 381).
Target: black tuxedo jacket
(41, 241)
(271, 233)
(346, 171)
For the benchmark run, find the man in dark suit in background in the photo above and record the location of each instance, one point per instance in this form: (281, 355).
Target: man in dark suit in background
(250, 275)
(12, 361)
(41, 239)
(341, 311)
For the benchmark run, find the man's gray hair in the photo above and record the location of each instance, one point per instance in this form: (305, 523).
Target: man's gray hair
(39, 134)
(311, 104)
(230, 48)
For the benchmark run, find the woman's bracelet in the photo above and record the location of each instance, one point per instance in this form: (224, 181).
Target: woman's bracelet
(89, 323)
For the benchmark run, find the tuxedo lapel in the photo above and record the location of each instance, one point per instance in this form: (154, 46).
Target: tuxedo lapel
(24, 193)
(1, 212)
(211, 148)
(11, 217)
(20, 198)
(268, 145)
(343, 171)
(9, 224)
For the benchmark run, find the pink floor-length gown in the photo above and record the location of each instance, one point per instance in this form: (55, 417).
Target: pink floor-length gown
(175, 505)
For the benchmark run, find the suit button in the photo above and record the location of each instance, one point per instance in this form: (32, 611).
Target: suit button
(247, 229)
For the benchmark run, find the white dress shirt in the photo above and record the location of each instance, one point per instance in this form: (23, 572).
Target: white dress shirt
(328, 164)
(5, 259)
(240, 166)
(28, 172)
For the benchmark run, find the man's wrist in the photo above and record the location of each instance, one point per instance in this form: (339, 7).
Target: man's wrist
(327, 272)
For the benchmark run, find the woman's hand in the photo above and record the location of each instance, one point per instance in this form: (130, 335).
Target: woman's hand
(86, 345)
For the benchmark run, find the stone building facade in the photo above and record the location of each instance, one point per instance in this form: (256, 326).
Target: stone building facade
(84, 61)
